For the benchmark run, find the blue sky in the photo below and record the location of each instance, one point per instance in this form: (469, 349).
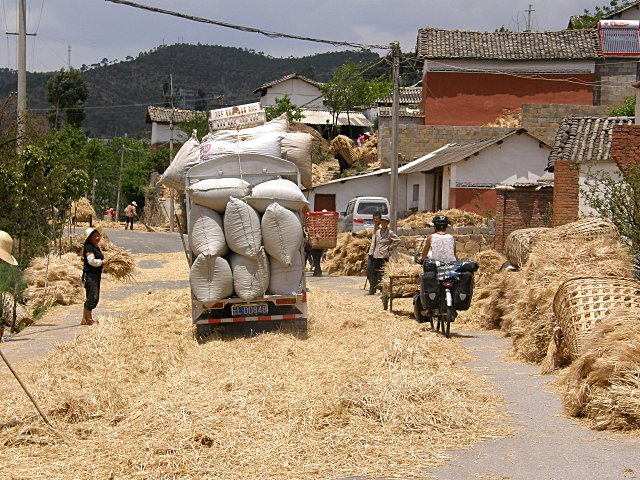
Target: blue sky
(96, 29)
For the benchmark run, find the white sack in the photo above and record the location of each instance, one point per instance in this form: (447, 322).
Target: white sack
(285, 280)
(242, 228)
(250, 275)
(268, 144)
(187, 157)
(285, 192)
(277, 125)
(210, 279)
(296, 147)
(214, 193)
(206, 234)
(281, 233)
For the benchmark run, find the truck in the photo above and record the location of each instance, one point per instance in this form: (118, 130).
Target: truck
(270, 311)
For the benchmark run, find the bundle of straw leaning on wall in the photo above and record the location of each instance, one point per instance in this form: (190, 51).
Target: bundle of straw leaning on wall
(603, 383)
(364, 393)
(350, 255)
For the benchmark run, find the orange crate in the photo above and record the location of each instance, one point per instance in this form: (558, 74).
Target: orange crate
(322, 228)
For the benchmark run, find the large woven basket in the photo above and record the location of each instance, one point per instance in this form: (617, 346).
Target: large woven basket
(517, 245)
(322, 228)
(587, 228)
(581, 302)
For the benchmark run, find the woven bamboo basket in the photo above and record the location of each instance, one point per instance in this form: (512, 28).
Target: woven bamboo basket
(581, 302)
(344, 146)
(587, 228)
(517, 245)
(322, 228)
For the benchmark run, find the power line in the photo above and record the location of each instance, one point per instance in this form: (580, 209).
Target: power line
(241, 28)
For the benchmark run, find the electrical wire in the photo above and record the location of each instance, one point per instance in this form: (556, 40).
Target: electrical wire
(241, 28)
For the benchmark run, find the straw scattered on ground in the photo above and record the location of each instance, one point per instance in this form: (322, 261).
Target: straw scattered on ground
(371, 395)
(458, 218)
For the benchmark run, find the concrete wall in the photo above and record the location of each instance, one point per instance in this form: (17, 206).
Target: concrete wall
(614, 77)
(160, 133)
(300, 92)
(632, 13)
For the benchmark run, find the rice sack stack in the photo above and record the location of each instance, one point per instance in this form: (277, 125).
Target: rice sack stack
(281, 233)
(210, 278)
(266, 144)
(296, 147)
(187, 157)
(283, 191)
(214, 193)
(242, 228)
(206, 232)
(286, 280)
(250, 275)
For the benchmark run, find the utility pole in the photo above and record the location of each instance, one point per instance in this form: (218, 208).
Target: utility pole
(69, 57)
(119, 183)
(529, 12)
(393, 190)
(22, 75)
(171, 204)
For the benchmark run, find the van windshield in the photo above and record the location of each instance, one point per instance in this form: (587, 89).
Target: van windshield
(369, 208)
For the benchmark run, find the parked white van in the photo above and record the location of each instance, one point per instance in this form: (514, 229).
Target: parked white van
(360, 210)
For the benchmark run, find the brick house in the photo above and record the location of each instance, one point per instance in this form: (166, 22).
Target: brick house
(584, 145)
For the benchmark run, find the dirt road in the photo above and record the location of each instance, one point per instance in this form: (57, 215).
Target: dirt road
(545, 445)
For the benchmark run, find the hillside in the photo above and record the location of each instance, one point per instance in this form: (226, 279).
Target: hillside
(120, 92)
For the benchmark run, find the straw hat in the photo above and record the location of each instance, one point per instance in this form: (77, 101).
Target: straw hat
(6, 247)
(89, 231)
(134, 204)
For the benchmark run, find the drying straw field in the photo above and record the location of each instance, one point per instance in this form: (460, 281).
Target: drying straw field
(370, 395)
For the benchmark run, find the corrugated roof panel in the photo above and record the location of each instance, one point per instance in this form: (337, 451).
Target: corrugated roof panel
(323, 117)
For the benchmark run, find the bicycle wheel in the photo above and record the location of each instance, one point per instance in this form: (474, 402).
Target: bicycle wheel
(417, 312)
(446, 324)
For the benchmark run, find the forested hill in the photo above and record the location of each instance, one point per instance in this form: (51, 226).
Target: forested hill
(120, 91)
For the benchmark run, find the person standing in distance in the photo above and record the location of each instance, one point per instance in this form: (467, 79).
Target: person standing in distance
(6, 247)
(385, 242)
(93, 261)
(130, 213)
(370, 272)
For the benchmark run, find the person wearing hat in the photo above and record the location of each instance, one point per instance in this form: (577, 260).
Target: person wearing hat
(370, 270)
(6, 247)
(384, 242)
(440, 246)
(93, 261)
(130, 212)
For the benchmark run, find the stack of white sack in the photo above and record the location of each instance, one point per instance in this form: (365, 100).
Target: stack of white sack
(215, 193)
(282, 191)
(210, 278)
(187, 157)
(266, 144)
(206, 233)
(250, 275)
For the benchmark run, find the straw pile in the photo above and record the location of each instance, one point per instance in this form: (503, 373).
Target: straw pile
(350, 255)
(83, 210)
(603, 383)
(366, 395)
(405, 265)
(63, 276)
(367, 154)
(121, 265)
(521, 304)
(343, 146)
(517, 245)
(325, 171)
(508, 119)
(459, 218)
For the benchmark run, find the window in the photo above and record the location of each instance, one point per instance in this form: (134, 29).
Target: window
(416, 192)
(369, 208)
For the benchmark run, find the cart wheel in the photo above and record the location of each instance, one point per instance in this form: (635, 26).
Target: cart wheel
(385, 302)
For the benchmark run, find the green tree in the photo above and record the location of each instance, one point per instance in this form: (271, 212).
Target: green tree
(348, 88)
(67, 93)
(589, 19)
(284, 105)
(627, 109)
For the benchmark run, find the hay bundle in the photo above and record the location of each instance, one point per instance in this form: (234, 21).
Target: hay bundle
(62, 276)
(325, 171)
(458, 218)
(587, 228)
(23, 316)
(350, 255)
(582, 302)
(603, 383)
(521, 304)
(343, 146)
(404, 266)
(367, 154)
(82, 210)
(517, 245)
(121, 265)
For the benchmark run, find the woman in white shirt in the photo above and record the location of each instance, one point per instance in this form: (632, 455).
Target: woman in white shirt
(440, 246)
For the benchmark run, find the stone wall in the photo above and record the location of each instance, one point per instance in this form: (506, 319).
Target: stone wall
(614, 77)
(469, 240)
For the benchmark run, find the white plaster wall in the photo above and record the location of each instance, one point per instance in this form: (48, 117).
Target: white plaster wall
(160, 133)
(519, 158)
(608, 168)
(370, 186)
(301, 93)
(447, 173)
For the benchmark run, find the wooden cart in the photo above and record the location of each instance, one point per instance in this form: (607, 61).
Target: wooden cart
(398, 288)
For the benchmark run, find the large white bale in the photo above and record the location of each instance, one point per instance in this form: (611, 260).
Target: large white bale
(283, 191)
(286, 280)
(187, 157)
(296, 147)
(210, 278)
(250, 275)
(277, 125)
(206, 234)
(242, 228)
(214, 193)
(282, 233)
(268, 144)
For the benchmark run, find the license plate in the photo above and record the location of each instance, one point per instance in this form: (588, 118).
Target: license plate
(249, 310)
(369, 223)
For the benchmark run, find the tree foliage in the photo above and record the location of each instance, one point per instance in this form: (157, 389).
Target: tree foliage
(627, 109)
(284, 105)
(589, 19)
(67, 93)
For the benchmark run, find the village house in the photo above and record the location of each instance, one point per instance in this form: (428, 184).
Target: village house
(302, 91)
(162, 119)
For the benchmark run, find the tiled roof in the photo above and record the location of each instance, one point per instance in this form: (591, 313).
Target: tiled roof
(163, 115)
(435, 43)
(291, 76)
(408, 95)
(404, 112)
(625, 6)
(585, 139)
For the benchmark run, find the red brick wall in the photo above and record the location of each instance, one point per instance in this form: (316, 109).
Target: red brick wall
(566, 192)
(455, 98)
(477, 200)
(523, 207)
(625, 145)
